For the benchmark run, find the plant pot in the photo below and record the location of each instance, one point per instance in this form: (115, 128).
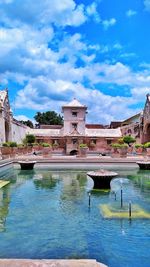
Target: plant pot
(83, 151)
(139, 150)
(46, 151)
(115, 153)
(148, 151)
(123, 152)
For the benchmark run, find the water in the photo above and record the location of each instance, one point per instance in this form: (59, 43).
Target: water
(45, 214)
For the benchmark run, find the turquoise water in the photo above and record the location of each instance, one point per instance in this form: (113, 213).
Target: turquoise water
(45, 214)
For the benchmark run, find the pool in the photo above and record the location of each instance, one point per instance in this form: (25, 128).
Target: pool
(45, 214)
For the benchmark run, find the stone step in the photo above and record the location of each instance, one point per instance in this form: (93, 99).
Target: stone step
(49, 263)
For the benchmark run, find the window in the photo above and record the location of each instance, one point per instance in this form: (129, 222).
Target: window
(74, 141)
(74, 113)
(74, 125)
(108, 142)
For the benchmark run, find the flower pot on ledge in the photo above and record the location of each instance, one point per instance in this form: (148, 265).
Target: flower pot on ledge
(123, 152)
(115, 153)
(83, 150)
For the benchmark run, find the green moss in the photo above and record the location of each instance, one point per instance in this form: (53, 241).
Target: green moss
(137, 213)
(3, 183)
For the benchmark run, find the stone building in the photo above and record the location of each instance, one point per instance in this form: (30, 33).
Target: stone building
(10, 129)
(75, 131)
(138, 125)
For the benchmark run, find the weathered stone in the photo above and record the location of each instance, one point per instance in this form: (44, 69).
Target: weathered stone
(49, 263)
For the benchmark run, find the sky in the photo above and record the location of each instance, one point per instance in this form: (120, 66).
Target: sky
(96, 51)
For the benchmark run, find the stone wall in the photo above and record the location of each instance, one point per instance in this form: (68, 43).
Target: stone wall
(19, 131)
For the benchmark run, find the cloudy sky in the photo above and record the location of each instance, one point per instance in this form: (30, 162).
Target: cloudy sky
(97, 51)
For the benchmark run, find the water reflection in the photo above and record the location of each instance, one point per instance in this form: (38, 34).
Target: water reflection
(4, 206)
(44, 181)
(47, 215)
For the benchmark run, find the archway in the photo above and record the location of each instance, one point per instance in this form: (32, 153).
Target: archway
(73, 152)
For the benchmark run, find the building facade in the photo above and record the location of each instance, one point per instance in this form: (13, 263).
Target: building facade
(10, 129)
(138, 125)
(75, 131)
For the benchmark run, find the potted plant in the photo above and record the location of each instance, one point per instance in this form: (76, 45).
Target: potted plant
(115, 150)
(119, 149)
(129, 140)
(147, 147)
(123, 150)
(46, 149)
(14, 149)
(92, 145)
(83, 150)
(139, 148)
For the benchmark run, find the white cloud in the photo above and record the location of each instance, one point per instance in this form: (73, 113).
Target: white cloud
(131, 13)
(44, 60)
(22, 118)
(108, 23)
(91, 11)
(61, 13)
(147, 4)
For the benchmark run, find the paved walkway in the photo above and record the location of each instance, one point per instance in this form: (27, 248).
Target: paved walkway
(49, 263)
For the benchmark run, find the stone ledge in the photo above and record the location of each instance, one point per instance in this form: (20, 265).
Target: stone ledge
(49, 263)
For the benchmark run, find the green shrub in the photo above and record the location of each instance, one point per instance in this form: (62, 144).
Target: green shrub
(128, 139)
(12, 144)
(120, 141)
(55, 145)
(147, 145)
(30, 139)
(20, 145)
(5, 144)
(35, 144)
(117, 145)
(46, 145)
(83, 146)
(138, 145)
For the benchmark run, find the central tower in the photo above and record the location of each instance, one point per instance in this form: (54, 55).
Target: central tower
(74, 118)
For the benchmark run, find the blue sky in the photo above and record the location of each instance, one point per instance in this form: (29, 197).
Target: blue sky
(97, 51)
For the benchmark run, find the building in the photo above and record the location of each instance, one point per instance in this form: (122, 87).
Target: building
(75, 131)
(138, 125)
(10, 129)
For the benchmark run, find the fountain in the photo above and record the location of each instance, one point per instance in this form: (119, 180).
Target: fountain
(144, 165)
(122, 199)
(27, 165)
(102, 178)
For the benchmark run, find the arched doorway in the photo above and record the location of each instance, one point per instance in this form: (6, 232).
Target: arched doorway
(73, 152)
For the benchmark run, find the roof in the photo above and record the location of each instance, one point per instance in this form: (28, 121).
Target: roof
(136, 116)
(94, 126)
(115, 124)
(108, 133)
(74, 104)
(45, 132)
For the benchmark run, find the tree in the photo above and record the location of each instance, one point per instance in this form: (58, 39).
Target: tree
(48, 118)
(129, 139)
(27, 123)
(29, 139)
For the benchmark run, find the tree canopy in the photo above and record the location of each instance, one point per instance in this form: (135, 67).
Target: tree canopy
(48, 118)
(27, 123)
(129, 139)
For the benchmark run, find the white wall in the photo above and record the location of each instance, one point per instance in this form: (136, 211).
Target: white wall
(19, 132)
